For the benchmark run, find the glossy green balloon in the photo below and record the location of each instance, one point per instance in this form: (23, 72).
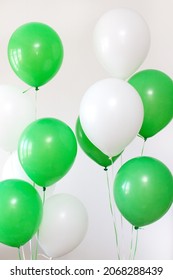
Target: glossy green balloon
(35, 53)
(47, 150)
(90, 149)
(156, 91)
(20, 212)
(143, 190)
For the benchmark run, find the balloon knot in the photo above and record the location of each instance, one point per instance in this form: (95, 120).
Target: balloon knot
(36, 88)
(136, 228)
(105, 169)
(44, 189)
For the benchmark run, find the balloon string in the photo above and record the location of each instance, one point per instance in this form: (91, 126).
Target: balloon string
(36, 249)
(26, 90)
(19, 254)
(31, 250)
(112, 165)
(122, 234)
(131, 244)
(143, 146)
(136, 244)
(121, 217)
(23, 252)
(37, 241)
(113, 217)
(36, 103)
(44, 195)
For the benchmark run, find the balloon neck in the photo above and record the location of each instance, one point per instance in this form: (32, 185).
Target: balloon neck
(36, 88)
(105, 169)
(44, 189)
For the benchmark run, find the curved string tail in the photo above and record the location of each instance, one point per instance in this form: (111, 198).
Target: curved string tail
(26, 90)
(113, 217)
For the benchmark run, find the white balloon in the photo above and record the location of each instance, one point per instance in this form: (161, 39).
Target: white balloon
(64, 225)
(17, 110)
(12, 169)
(121, 41)
(111, 115)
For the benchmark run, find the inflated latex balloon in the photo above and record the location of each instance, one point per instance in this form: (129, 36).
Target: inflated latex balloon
(47, 150)
(35, 53)
(156, 91)
(64, 225)
(20, 212)
(17, 110)
(111, 114)
(143, 190)
(90, 149)
(121, 41)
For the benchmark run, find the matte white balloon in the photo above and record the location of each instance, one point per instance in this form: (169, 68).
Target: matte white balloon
(121, 41)
(64, 225)
(111, 115)
(17, 110)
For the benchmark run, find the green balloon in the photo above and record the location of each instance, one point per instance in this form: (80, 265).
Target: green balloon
(156, 91)
(20, 212)
(35, 53)
(90, 149)
(47, 150)
(143, 190)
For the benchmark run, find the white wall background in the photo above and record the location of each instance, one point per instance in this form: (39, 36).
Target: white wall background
(74, 20)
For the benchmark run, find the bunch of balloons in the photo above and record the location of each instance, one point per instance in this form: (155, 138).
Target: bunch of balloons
(42, 151)
(115, 110)
(112, 113)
